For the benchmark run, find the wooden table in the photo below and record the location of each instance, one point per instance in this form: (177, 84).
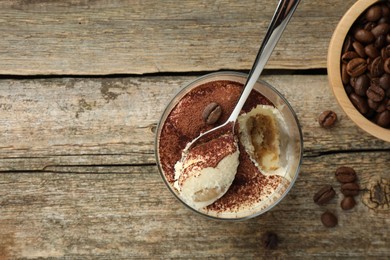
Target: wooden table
(82, 87)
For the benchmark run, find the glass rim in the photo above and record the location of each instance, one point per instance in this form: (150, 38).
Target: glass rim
(184, 88)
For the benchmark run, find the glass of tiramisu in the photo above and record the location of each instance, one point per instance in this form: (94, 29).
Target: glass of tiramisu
(238, 174)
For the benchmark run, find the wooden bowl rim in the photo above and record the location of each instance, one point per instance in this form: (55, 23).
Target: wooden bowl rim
(334, 75)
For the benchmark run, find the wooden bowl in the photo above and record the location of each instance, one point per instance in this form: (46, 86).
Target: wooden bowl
(334, 71)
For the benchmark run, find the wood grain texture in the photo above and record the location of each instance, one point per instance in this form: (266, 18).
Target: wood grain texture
(127, 212)
(135, 37)
(71, 121)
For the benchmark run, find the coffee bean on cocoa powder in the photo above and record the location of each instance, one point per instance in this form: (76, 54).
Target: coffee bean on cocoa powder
(328, 219)
(345, 174)
(325, 194)
(270, 240)
(212, 113)
(348, 202)
(327, 118)
(350, 189)
(365, 63)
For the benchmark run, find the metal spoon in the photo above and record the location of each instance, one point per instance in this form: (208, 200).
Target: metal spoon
(280, 19)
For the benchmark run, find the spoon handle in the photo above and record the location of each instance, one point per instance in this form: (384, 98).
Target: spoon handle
(279, 21)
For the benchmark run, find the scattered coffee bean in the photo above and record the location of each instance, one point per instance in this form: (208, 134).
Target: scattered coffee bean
(347, 203)
(212, 113)
(345, 174)
(350, 189)
(325, 194)
(327, 119)
(328, 219)
(365, 63)
(270, 240)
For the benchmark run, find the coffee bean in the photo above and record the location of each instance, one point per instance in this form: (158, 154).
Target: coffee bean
(348, 203)
(350, 189)
(345, 174)
(385, 53)
(380, 29)
(383, 118)
(376, 67)
(364, 36)
(362, 83)
(356, 67)
(327, 119)
(375, 93)
(380, 42)
(371, 51)
(212, 113)
(270, 240)
(328, 219)
(384, 81)
(359, 102)
(348, 56)
(344, 75)
(373, 105)
(386, 65)
(325, 194)
(374, 13)
(359, 49)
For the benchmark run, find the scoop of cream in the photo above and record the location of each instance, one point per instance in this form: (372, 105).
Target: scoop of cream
(262, 133)
(206, 171)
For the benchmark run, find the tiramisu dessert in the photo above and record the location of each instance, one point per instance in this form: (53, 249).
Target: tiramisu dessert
(235, 174)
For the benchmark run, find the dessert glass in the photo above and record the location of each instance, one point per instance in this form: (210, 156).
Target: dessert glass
(293, 144)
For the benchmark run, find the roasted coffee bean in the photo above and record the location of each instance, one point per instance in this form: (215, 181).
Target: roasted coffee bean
(327, 118)
(359, 49)
(374, 13)
(344, 74)
(359, 102)
(356, 67)
(373, 105)
(270, 240)
(350, 189)
(348, 89)
(383, 118)
(380, 42)
(348, 56)
(387, 104)
(375, 93)
(368, 26)
(325, 194)
(364, 36)
(376, 67)
(371, 51)
(362, 83)
(380, 29)
(384, 81)
(328, 219)
(347, 46)
(385, 53)
(348, 202)
(386, 65)
(345, 174)
(212, 113)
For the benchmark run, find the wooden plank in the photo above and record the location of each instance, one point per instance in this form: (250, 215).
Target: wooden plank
(121, 37)
(75, 121)
(127, 212)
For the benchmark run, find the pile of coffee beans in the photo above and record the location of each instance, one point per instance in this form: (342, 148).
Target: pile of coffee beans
(349, 188)
(365, 64)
